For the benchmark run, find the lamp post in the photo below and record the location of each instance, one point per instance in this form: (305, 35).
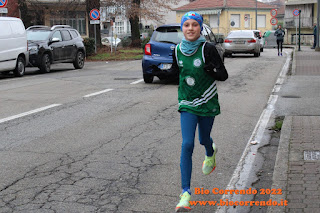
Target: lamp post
(257, 14)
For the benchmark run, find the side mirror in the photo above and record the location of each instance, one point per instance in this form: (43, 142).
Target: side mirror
(53, 40)
(220, 40)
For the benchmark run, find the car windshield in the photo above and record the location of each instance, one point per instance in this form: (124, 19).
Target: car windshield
(37, 35)
(168, 35)
(240, 34)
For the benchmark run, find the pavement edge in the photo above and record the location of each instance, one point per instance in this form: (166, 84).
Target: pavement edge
(280, 174)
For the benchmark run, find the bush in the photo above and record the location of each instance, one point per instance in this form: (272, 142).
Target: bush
(126, 41)
(144, 42)
(89, 45)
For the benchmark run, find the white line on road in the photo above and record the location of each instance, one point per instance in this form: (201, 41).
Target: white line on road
(28, 113)
(97, 93)
(243, 172)
(136, 82)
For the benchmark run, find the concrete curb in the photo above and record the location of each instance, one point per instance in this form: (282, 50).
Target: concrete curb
(280, 174)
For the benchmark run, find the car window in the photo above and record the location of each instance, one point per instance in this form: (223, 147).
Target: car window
(57, 34)
(66, 35)
(74, 33)
(208, 34)
(37, 35)
(168, 34)
(241, 34)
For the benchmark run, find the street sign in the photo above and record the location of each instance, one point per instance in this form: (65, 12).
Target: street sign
(94, 14)
(274, 21)
(94, 21)
(4, 10)
(273, 12)
(3, 3)
(296, 12)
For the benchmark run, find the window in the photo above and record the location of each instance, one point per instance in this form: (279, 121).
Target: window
(76, 21)
(235, 20)
(74, 33)
(247, 21)
(119, 27)
(66, 35)
(262, 21)
(57, 34)
(214, 21)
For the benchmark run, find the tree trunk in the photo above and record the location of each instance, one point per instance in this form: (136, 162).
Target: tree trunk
(93, 4)
(134, 22)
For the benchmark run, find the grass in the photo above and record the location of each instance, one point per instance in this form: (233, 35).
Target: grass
(278, 124)
(104, 54)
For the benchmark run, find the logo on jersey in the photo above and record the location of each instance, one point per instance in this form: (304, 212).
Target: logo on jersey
(197, 63)
(190, 81)
(180, 63)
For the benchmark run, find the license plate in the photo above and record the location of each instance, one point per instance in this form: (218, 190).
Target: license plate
(239, 42)
(165, 66)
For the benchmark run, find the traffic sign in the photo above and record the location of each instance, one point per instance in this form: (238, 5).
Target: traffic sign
(296, 12)
(274, 21)
(94, 14)
(3, 10)
(273, 12)
(94, 21)
(3, 3)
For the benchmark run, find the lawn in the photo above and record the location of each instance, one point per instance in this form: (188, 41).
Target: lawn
(104, 54)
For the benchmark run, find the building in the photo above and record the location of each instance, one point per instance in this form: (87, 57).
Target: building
(224, 16)
(307, 18)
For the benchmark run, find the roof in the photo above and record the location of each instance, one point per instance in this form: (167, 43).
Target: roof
(214, 4)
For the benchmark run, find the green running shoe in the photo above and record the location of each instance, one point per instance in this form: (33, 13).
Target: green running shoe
(184, 205)
(209, 164)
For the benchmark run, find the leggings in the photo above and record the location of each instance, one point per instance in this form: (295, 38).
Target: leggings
(279, 43)
(189, 124)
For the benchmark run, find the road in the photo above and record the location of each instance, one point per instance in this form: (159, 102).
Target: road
(108, 142)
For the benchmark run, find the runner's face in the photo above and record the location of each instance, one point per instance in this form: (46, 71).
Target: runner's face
(191, 30)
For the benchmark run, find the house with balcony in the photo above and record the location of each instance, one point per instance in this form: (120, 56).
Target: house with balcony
(224, 16)
(308, 17)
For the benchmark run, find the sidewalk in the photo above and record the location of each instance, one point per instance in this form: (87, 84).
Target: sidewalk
(297, 167)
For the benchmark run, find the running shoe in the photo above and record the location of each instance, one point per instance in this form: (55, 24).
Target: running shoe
(209, 164)
(184, 205)
(281, 54)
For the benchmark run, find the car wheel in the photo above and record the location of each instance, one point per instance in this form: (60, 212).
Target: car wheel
(45, 63)
(20, 67)
(79, 60)
(148, 78)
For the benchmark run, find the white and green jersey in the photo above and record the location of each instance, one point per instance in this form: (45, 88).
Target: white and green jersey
(197, 91)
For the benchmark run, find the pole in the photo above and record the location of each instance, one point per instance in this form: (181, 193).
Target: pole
(256, 14)
(296, 33)
(299, 49)
(95, 39)
(318, 19)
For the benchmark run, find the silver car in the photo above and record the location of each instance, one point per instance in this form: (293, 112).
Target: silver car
(242, 41)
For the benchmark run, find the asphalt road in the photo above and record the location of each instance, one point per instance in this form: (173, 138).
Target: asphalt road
(110, 143)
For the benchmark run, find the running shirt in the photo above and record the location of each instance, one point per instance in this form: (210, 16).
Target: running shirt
(197, 91)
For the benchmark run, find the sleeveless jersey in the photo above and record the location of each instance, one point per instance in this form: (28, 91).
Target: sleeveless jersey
(197, 91)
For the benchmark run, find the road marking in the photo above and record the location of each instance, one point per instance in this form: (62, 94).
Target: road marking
(97, 93)
(245, 168)
(28, 113)
(136, 82)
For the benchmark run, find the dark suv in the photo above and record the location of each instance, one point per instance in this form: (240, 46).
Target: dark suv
(58, 44)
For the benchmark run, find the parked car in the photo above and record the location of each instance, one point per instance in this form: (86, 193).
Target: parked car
(14, 53)
(261, 39)
(157, 59)
(58, 44)
(242, 41)
(107, 41)
(270, 40)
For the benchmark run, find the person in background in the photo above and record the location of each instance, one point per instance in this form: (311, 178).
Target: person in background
(314, 36)
(280, 35)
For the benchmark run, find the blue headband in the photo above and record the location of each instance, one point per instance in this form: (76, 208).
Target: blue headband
(192, 15)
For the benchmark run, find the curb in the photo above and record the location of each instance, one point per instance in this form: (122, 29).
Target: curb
(280, 174)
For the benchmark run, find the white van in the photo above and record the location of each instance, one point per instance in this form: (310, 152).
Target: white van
(14, 55)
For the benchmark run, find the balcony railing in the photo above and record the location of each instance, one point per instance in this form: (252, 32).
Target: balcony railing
(294, 22)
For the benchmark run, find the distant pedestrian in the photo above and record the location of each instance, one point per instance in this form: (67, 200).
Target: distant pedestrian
(314, 36)
(280, 35)
(199, 66)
